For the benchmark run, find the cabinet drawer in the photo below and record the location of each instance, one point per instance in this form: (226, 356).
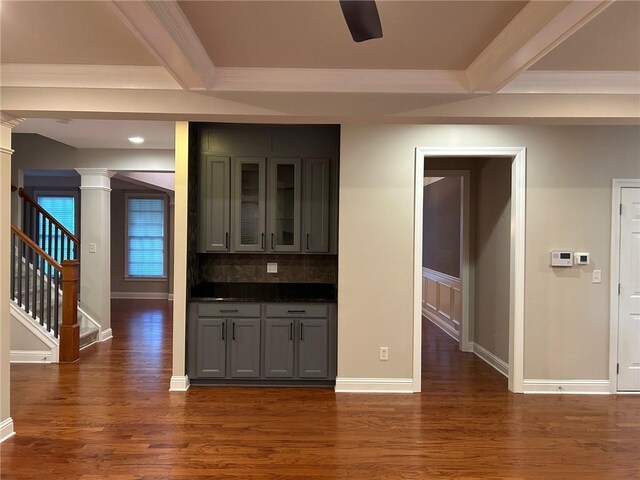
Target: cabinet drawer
(229, 310)
(297, 310)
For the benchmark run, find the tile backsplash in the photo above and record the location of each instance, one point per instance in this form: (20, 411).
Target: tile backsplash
(253, 268)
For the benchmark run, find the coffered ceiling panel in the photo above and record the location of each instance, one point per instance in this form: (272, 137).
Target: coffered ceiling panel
(611, 41)
(313, 34)
(67, 32)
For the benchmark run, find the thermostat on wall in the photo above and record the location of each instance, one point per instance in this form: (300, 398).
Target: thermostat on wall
(581, 258)
(561, 258)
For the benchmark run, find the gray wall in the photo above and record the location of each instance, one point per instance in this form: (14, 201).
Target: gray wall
(441, 226)
(569, 172)
(492, 256)
(118, 282)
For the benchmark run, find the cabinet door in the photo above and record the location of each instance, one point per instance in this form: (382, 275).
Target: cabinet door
(248, 204)
(213, 221)
(278, 348)
(245, 348)
(316, 203)
(284, 204)
(313, 350)
(211, 348)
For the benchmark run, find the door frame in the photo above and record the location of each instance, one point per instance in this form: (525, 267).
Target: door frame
(467, 267)
(517, 254)
(616, 197)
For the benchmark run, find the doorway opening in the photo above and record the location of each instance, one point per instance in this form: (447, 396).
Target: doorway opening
(500, 258)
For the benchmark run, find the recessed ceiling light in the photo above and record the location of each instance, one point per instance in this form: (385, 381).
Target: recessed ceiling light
(136, 140)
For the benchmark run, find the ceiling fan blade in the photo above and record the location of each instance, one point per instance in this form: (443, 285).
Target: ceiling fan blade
(362, 19)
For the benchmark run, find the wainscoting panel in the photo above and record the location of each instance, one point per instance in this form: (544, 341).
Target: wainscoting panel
(442, 300)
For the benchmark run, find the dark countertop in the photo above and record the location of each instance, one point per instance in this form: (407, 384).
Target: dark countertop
(265, 292)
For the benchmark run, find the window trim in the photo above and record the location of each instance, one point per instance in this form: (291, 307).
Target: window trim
(165, 238)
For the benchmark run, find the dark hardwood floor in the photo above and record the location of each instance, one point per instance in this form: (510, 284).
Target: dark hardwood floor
(111, 416)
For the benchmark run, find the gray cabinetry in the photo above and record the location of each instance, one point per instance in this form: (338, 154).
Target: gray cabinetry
(313, 351)
(248, 204)
(316, 204)
(270, 343)
(284, 204)
(309, 327)
(214, 204)
(211, 344)
(278, 348)
(224, 340)
(245, 348)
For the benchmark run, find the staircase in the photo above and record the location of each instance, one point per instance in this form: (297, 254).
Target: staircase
(44, 284)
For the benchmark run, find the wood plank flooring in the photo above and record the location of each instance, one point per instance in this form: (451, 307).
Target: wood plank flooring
(111, 417)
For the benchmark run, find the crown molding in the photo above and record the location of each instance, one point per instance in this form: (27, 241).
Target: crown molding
(86, 76)
(575, 82)
(536, 30)
(339, 80)
(10, 121)
(164, 29)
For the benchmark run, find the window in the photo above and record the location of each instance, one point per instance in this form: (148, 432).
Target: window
(145, 236)
(62, 207)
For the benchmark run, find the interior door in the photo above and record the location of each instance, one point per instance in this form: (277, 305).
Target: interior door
(629, 298)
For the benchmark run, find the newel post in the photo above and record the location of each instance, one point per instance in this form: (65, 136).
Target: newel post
(70, 330)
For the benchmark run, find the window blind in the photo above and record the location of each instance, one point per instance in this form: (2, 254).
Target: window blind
(146, 241)
(63, 209)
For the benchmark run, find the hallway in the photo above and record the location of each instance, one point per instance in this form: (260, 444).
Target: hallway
(111, 416)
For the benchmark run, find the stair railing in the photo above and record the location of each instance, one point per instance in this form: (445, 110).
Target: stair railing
(37, 279)
(45, 230)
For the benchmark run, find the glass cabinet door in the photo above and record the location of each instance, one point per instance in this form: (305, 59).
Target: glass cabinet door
(249, 204)
(284, 208)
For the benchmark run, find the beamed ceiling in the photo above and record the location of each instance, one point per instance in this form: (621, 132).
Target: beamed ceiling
(292, 61)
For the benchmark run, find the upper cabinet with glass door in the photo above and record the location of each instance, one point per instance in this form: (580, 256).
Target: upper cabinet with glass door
(249, 186)
(284, 204)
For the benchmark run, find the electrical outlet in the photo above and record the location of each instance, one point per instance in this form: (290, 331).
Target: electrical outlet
(384, 353)
(92, 248)
(272, 268)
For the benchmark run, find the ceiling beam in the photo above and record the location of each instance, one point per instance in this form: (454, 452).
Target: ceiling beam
(164, 29)
(538, 28)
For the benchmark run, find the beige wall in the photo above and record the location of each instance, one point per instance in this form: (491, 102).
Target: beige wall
(23, 339)
(569, 172)
(492, 259)
(118, 218)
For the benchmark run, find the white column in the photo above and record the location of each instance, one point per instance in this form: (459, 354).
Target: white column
(7, 122)
(179, 380)
(95, 246)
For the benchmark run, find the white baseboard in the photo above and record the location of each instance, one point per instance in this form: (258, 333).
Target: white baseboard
(179, 383)
(374, 385)
(496, 362)
(140, 295)
(446, 328)
(106, 335)
(6, 429)
(582, 387)
(32, 356)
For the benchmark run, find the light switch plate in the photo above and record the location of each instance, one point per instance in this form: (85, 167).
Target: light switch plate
(272, 268)
(92, 248)
(596, 276)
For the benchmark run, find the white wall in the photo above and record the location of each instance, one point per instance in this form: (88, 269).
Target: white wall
(569, 172)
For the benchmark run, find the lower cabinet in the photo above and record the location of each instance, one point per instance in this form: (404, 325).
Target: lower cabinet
(296, 348)
(284, 342)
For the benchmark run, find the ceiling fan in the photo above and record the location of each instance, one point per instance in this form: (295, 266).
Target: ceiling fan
(362, 19)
